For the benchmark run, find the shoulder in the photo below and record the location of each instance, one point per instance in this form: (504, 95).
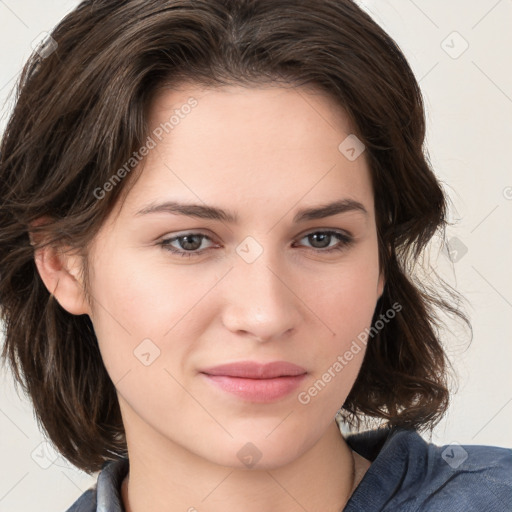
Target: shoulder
(86, 502)
(478, 477)
(411, 474)
(105, 494)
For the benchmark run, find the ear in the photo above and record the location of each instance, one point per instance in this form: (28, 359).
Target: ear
(60, 272)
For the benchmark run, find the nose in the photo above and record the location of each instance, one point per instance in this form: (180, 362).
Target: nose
(259, 300)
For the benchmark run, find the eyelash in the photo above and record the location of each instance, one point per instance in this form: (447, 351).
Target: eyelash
(345, 242)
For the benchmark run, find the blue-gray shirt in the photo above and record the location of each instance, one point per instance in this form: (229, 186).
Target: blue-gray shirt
(407, 474)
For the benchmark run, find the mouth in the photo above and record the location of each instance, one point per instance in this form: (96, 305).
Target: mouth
(254, 381)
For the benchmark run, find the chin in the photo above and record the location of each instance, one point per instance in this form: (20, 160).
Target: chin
(258, 452)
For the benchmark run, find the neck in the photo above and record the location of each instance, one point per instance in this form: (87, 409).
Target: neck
(321, 479)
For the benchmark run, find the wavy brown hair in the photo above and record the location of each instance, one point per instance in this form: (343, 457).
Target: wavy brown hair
(81, 112)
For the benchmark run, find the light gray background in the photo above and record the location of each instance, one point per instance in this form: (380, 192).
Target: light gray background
(469, 110)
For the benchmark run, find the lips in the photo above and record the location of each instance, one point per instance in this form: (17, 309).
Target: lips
(254, 370)
(256, 382)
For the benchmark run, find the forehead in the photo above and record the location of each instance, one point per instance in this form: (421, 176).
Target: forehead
(249, 115)
(249, 148)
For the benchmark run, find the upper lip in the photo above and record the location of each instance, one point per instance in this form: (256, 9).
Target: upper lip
(254, 370)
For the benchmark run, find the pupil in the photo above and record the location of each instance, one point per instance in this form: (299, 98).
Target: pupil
(186, 244)
(323, 236)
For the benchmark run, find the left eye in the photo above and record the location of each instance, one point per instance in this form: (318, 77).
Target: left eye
(191, 242)
(320, 237)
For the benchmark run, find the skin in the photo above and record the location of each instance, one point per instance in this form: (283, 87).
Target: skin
(262, 153)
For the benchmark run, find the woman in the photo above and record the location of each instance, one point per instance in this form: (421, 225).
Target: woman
(211, 215)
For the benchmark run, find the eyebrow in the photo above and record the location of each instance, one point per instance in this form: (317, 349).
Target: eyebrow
(214, 213)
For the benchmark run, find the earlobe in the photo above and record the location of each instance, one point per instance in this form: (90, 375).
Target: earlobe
(59, 272)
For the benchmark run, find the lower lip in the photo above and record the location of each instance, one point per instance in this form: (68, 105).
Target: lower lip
(257, 390)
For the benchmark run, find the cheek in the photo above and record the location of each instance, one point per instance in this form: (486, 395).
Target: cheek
(337, 355)
(141, 297)
(344, 303)
(141, 335)
(143, 313)
(343, 300)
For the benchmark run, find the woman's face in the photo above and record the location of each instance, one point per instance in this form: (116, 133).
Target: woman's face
(257, 288)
